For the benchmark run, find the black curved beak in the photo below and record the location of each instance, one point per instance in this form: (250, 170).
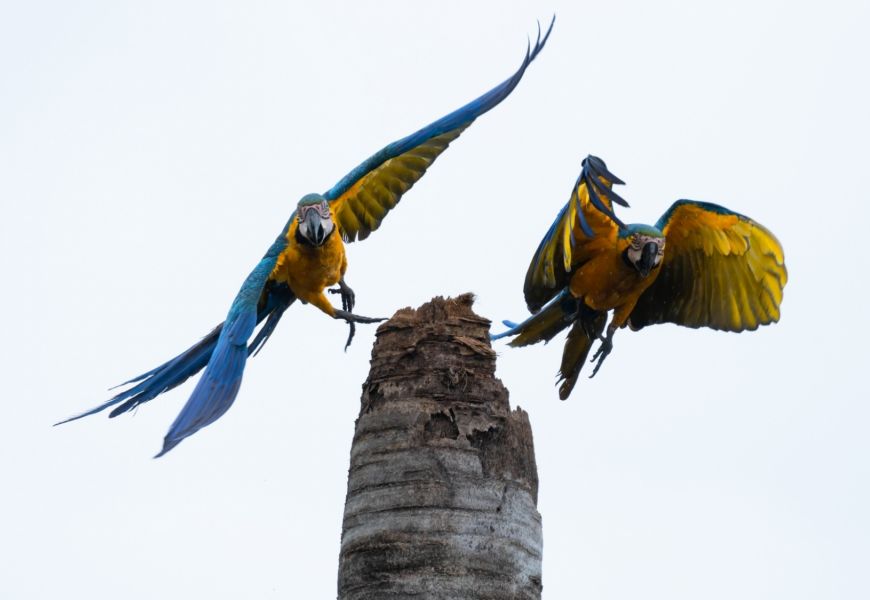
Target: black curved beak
(315, 232)
(647, 258)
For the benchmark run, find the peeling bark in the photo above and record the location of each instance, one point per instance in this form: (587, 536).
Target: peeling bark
(442, 489)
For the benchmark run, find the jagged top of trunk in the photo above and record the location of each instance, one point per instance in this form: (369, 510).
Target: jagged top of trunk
(443, 484)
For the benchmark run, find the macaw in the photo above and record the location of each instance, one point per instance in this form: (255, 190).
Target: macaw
(307, 258)
(700, 265)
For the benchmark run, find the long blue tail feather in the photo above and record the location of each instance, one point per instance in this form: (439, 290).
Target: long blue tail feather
(555, 316)
(217, 388)
(170, 374)
(179, 369)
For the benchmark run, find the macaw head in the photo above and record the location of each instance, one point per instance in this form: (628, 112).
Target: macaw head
(315, 220)
(645, 247)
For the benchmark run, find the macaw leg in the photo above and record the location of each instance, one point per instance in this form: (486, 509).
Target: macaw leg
(620, 316)
(348, 298)
(603, 350)
(321, 302)
(589, 320)
(352, 319)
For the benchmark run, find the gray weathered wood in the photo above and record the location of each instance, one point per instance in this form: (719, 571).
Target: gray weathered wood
(442, 488)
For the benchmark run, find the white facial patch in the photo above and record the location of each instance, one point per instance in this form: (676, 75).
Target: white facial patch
(322, 209)
(638, 241)
(320, 216)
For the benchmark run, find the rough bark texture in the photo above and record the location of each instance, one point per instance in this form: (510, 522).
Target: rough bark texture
(442, 490)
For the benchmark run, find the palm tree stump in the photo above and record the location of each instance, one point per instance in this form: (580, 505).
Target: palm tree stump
(442, 489)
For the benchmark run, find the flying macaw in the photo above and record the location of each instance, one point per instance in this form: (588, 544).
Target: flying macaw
(700, 265)
(305, 260)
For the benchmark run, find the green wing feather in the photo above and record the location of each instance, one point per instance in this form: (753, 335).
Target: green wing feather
(721, 270)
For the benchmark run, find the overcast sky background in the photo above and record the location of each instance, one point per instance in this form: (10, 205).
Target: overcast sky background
(150, 152)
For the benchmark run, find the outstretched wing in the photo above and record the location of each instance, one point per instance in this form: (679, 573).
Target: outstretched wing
(217, 388)
(364, 196)
(586, 221)
(721, 270)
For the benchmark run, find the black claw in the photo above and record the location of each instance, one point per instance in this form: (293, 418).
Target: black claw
(352, 319)
(347, 297)
(350, 335)
(348, 300)
(603, 351)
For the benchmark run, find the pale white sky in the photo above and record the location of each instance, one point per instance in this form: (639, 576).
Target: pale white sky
(150, 152)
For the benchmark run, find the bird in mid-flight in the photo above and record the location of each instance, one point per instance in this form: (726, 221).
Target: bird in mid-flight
(307, 258)
(700, 265)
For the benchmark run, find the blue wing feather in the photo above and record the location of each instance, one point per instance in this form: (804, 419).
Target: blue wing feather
(170, 374)
(216, 390)
(461, 117)
(554, 316)
(223, 353)
(176, 371)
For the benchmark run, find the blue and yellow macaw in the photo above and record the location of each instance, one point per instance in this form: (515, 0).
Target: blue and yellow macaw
(304, 261)
(700, 265)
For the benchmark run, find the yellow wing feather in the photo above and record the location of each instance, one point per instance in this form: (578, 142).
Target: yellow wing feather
(721, 270)
(566, 245)
(360, 209)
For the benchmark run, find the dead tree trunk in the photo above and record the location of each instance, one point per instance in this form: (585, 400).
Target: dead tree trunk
(442, 490)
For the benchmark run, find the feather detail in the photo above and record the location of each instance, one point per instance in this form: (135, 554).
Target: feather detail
(216, 390)
(721, 270)
(544, 325)
(363, 197)
(583, 222)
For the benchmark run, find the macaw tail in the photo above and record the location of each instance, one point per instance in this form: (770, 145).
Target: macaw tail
(587, 328)
(560, 312)
(217, 388)
(170, 374)
(545, 324)
(177, 370)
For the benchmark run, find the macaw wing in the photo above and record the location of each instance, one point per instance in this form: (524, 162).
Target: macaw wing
(364, 196)
(721, 270)
(587, 219)
(217, 388)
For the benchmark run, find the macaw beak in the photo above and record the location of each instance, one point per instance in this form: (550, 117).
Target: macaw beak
(647, 258)
(312, 228)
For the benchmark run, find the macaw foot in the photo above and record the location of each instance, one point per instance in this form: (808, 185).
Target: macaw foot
(348, 298)
(603, 350)
(352, 320)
